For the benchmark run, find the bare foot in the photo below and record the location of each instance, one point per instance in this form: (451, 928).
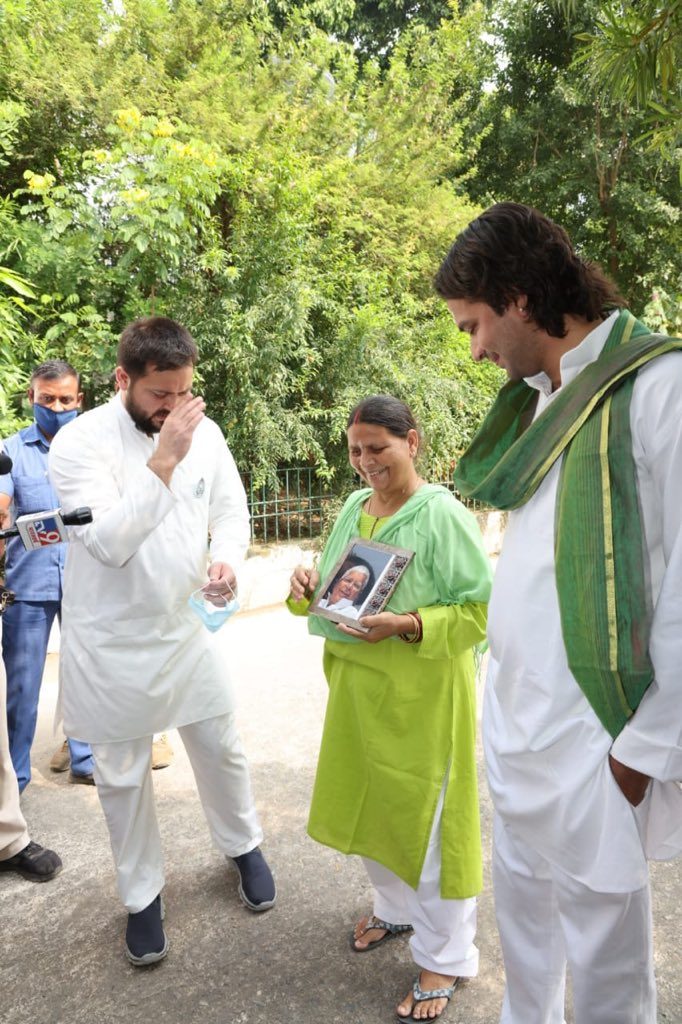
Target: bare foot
(364, 936)
(428, 1009)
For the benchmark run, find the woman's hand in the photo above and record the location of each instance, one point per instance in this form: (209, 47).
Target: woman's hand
(381, 626)
(303, 582)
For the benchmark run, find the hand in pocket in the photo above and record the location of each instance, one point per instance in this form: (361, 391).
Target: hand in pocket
(632, 784)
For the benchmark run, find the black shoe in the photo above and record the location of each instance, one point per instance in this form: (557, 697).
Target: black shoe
(34, 862)
(146, 941)
(256, 886)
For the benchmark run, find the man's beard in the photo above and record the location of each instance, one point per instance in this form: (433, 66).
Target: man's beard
(144, 423)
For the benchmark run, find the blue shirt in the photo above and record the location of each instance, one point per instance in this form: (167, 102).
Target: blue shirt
(32, 575)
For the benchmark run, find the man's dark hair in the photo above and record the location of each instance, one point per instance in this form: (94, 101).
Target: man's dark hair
(513, 250)
(384, 411)
(155, 342)
(53, 369)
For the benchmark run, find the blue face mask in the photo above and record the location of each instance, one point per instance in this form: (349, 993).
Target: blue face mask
(50, 421)
(213, 609)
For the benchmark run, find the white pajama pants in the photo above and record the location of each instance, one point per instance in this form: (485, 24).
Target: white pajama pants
(444, 930)
(548, 921)
(124, 786)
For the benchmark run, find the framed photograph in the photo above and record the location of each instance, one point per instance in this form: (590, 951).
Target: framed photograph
(361, 582)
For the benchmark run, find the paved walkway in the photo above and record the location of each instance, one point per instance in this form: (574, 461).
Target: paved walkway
(63, 962)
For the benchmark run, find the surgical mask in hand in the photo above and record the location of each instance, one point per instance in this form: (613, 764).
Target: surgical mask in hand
(214, 607)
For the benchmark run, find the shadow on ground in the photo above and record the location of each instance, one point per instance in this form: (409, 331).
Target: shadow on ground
(62, 959)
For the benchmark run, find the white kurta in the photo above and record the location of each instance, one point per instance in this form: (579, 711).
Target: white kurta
(546, 751)
(135, 659)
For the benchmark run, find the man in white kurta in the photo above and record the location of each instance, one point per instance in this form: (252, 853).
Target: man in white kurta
(169, 513)
(577, 813)
(547, 752)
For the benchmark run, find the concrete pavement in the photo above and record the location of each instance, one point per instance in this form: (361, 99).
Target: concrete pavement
(62, 960)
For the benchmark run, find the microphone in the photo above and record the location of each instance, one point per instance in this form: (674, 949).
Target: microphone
(41, 529)
(5, 464)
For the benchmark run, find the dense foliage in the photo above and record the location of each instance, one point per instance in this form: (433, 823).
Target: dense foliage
(577, 152)
(284, 179)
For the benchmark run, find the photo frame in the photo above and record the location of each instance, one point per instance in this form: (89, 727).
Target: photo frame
(361, 582)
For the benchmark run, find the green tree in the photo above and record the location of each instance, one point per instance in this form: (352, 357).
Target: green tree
(373, 27)
(633, 55)
(555, 142)
(286, 202)
(16, 296)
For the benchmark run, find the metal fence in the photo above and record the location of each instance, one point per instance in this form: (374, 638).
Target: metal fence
(298, 506)
(293, 509)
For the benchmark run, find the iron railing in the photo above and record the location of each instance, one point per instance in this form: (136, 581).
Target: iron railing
(293, 509)
(299, 505)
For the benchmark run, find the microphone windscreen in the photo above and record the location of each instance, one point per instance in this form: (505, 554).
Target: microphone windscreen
(5, 464)
(79, 516)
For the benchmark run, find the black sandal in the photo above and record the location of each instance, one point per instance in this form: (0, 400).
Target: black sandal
(374, 922)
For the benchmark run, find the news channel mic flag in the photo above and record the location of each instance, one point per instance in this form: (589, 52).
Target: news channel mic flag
(41, 529)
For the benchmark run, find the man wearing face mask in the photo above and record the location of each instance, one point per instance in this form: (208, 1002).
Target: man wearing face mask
(35, 576)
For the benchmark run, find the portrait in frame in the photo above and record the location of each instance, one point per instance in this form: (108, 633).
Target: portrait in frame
(361, 582)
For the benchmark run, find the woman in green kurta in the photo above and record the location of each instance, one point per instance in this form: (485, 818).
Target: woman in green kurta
(396, 778)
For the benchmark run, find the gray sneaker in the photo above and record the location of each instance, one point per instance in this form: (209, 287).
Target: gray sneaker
(34, 862)
(256, 885)
(146, 940)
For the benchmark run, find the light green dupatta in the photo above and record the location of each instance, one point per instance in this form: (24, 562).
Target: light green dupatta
(601, 573)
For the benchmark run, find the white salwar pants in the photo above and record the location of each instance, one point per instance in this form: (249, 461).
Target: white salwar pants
(548, 921)
(444, 930)
(124, 786)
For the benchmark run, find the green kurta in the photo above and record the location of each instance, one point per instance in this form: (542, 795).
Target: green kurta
(399, 715)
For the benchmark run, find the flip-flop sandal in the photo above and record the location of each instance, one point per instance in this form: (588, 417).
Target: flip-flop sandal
(421, 996)
(374, 922)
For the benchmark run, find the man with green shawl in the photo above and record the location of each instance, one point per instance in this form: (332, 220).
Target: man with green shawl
(581, 724)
